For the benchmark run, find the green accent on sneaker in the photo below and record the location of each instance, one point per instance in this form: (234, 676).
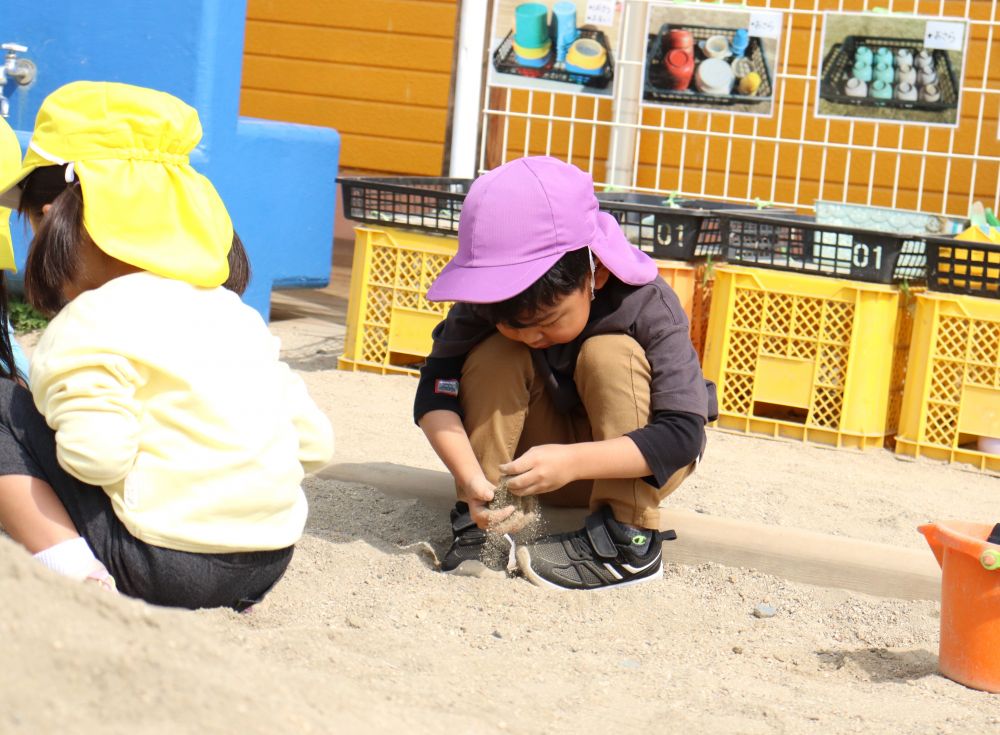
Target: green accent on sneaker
(639, 539)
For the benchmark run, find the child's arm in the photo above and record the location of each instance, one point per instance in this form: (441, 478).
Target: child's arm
(547, 467)
(313, 427)
(90, 403)
(446, 434)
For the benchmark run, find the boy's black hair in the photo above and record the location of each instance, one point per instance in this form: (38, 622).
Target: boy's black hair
(569, 274)
(53, 256)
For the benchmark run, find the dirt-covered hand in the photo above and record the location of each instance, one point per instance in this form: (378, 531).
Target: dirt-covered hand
(541, 469)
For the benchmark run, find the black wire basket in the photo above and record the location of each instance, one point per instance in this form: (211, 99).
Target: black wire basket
(430, 204)
(838, 67)
(657, 85)
(963, 267)
(679, 229)
(798, 243)
(505, 61)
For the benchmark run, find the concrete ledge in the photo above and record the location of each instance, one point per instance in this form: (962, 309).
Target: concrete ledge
(791, 553)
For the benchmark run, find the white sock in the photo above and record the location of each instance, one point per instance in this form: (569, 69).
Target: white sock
(72, 558)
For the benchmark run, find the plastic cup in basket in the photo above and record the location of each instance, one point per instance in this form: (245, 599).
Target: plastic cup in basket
(680, 38)
(906, 92)
(714, 77)
(715, 47)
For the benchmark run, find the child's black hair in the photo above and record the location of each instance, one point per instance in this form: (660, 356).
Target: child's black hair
(53, 256)
(569, 274)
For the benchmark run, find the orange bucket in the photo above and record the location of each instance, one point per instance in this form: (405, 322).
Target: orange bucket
(970, 602)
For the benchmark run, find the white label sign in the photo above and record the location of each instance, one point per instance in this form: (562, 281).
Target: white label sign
(944, 35)
(764, 24)
(600, 12)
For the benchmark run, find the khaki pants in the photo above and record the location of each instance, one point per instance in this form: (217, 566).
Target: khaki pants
(507, 411)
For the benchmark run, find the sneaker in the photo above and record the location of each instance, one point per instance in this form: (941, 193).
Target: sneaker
(473, 552)
(604, 553)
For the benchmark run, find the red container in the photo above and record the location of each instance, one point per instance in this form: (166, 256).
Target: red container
(679, 66)
(679, 38)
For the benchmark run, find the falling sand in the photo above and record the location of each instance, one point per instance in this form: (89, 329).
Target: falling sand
(525, 523)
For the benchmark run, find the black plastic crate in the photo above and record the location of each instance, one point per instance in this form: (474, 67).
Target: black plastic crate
(690, 230)
(504, 60)
(798, 243)
(963, 267)
(656, 86)
(423, 203)
(838, 67)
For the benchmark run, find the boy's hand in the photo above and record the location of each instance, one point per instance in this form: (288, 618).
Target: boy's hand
(478, 493)
(541, 469)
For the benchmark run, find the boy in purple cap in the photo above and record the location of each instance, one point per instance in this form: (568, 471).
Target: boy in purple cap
(566, 365)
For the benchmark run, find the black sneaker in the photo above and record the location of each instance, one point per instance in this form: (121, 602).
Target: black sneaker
(604, 553)
(473, 552)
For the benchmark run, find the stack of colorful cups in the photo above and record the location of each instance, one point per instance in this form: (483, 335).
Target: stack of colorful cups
(532, 45)
(564, 29)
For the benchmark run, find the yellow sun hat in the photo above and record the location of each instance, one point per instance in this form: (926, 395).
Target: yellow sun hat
(10, 163)
(143, 203)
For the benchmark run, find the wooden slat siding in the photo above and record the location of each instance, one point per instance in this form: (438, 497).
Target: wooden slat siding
(345, 81)
(434, 18)
(379, 71)
(375, 119)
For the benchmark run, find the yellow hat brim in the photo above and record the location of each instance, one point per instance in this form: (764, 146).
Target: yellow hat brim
(164, 218)
(10, 164)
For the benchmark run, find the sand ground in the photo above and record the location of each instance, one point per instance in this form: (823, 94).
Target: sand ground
(364, 636)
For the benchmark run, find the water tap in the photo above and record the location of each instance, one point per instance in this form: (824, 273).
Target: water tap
(21, 71)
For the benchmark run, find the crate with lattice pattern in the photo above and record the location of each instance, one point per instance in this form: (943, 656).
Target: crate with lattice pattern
(804, 357)
(389, 320)
(951, 404)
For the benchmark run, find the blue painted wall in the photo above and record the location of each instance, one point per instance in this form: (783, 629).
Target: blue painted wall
(277, 179)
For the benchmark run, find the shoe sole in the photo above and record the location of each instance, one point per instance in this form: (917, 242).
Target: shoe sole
(524, 564)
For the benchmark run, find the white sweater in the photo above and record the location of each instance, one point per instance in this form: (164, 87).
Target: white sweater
(172, 398)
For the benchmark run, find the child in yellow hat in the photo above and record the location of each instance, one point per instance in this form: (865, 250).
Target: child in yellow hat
(13, 363)
(178, 440)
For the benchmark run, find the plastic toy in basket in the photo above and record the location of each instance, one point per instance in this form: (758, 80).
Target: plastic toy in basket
(721, 76)
(900, 74)
(588, 61)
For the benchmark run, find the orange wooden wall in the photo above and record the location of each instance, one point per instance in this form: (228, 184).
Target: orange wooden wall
(379, 71)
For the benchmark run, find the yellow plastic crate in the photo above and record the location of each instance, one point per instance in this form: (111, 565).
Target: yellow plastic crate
(804, 357)
(389, 322)
(693, 285)
(952, 395)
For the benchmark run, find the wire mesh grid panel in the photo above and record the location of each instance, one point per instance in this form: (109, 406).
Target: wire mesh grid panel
(791, 157)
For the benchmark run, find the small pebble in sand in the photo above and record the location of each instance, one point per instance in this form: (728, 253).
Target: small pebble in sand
(737, 649)
(763, 610)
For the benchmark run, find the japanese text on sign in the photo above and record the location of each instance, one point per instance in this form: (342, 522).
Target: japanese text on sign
(600, 12)
(944, 35)
(764, 24)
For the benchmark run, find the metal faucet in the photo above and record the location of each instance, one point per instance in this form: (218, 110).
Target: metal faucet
(22, 71)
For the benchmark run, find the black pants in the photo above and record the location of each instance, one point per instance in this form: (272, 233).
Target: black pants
(152, 573)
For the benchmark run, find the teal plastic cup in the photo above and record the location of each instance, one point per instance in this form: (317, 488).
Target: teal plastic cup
(883, 73)
(863, 71)
(531, 28)
(863, 54)
(880, 90)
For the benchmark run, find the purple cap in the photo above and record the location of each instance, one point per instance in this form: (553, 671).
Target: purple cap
(518, 220)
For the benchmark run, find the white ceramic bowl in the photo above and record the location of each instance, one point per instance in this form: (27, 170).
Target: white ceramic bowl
(714, 76)
(716, 47)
